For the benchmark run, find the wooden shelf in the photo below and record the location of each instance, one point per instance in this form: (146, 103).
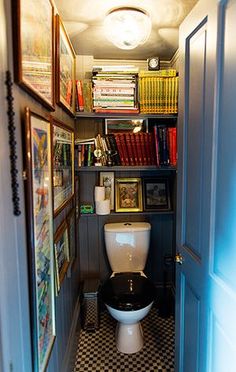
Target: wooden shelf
(144, 168)
(126, 213)
(110, 115)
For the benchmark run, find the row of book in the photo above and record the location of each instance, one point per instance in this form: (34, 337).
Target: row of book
(131, 149)
(158, 94)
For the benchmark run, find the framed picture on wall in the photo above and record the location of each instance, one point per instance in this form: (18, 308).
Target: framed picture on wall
(65, 68)
(107, 180)
(63, 164)
(156, 194)
(33, 37)
(70, 219)
(62, 259)
(133, 125)
(40, 236)
(128, 194)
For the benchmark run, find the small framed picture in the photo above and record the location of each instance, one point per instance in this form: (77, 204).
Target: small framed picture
(62, 255)
(156, 194)
(113, 126)
(128, 195)
(107, 180)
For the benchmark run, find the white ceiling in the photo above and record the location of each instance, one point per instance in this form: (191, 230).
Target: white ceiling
(83, 20)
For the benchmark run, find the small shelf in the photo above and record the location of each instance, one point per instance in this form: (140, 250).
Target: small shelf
(145, 168)
(110, 115)
(126, 213)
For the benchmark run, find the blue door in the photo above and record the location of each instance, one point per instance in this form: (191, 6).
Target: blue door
(206, 212)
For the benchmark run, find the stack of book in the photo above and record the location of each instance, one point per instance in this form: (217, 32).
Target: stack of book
(158, 92)
(84, 154)
(114, 90)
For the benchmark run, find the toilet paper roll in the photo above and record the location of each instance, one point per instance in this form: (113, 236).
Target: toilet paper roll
(103, 206)
(99, 193)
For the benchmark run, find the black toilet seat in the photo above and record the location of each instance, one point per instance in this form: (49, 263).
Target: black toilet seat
(128, 292)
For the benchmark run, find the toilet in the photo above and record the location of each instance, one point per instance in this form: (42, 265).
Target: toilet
(128, 294)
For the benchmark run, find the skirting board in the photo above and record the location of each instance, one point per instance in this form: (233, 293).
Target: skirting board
(69, 358)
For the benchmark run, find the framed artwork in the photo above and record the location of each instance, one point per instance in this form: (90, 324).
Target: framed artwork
(107, 180)
(63, 165)
(128, 194)
(61, 246)
(40, 236)
(34, 54)
(113, 126)
(156, 194)
(65, 68)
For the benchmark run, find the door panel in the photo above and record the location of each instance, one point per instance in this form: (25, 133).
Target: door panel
(195, 104)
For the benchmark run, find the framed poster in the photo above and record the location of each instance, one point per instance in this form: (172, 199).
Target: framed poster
(34, 54)
(65, 68)
(40, 237)
(63, 165)
(61, 246)
(128, 195)
(133, 125)
(107, 180)
(156, 194)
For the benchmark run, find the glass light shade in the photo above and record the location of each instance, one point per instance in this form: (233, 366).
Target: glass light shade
(127, 28)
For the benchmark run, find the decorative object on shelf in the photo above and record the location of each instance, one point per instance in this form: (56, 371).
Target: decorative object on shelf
(127, 27)
(156, 194)
(33, 38)
(61, 248)
(153, 63)
(65, 69)
(99, 193)
(103, 207)
(70, 219)
(40, 236)
(12, 143)
(86, 209)
(128, 195)
(134, 125)
(107, 180)
(63, 165)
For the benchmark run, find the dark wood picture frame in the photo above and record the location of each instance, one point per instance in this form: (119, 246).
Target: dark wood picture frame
(156, 194)
(61, 246)
(33, 65)
(38, 196)
(71, 224)
(65, 69)
(63, 161)
(128, 193)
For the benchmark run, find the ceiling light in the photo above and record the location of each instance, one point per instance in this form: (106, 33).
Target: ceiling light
(127, 27)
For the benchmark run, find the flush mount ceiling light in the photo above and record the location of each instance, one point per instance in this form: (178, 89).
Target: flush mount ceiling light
(127, 27)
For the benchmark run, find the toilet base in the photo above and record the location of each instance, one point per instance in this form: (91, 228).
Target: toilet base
(129, 337)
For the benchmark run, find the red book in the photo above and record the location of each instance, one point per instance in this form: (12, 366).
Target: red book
(143, 148)
(170, 146)
(139, 150)
(69, 92)
(134, 149)
(124, 148)
(129, 148)
(152, 148)
(147, 147)
(120, 149)
(155, 131)
(80, 97)
(174, 147)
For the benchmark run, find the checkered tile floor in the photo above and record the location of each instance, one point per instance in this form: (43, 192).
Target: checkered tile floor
(97, 351)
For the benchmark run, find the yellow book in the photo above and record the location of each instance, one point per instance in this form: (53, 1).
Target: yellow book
(158, 73)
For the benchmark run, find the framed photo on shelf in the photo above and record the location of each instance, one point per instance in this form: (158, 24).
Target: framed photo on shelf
(70, 219)
(65, 68)
(113, 126)
(63, 165)
(61, 247)
(107, 180)
(34, 54)
(40, 236)
(128, 194)
(156, 194)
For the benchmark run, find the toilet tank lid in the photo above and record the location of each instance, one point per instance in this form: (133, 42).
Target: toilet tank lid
(127, 226)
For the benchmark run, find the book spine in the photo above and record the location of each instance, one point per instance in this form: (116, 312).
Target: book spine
(114, 149)
(80, 98)
(69, 92)
(139, 150)
(156, 139)
(143, 148)
(134, 149)
(148, 148)
(129, 148)
(124, 148)
(120, 149)
(174, 147)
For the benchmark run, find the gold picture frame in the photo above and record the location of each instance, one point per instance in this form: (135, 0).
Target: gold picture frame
(128, 195)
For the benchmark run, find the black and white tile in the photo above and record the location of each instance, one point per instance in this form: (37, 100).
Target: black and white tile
(97, 350)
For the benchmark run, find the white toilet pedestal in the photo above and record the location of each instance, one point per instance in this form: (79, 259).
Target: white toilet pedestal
(129, 337)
